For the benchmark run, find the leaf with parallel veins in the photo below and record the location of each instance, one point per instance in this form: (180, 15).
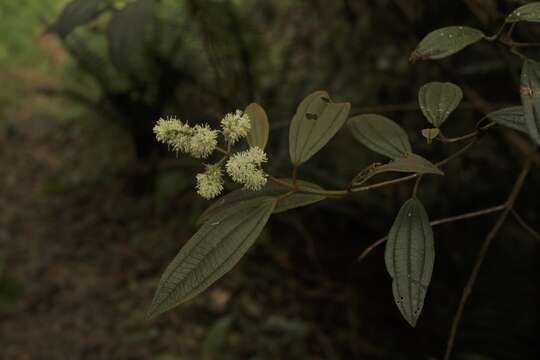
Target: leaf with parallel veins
(218, 245)
(409, 258)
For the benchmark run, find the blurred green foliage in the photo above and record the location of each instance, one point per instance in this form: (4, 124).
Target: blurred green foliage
(21, 25)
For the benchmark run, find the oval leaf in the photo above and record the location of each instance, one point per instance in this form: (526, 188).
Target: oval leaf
(530, 98)
(381, 135)
(211, 252)
(512, 117)
(258, 135)
(77, 13)
(269, 190)
(316, 121)
(409, 258)
(444, 42)
(437, 101)
(529, 12)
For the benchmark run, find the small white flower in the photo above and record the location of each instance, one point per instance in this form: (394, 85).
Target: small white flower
(210, 183)
(174, 133)
(235, 126)
(203, 142)
(256, 155)
(256, 180)
(244, 168)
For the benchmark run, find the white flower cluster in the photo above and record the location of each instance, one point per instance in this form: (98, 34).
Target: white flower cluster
(235, 126)
(245, 168)
(198, 141)
(210, 183)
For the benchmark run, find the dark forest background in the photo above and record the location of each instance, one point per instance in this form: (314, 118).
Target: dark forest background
(92, 208)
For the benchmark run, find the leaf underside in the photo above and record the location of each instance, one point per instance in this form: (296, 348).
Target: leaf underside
(381, 135)
(444, 42)
(316, 121)
(409, 258)
(437, 101)
(411, 163)
(211, 252)
(260, 128)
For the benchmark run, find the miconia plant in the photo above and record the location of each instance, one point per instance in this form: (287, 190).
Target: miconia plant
(231, 225)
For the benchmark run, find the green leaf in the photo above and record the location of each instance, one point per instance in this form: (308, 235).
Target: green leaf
(511, 117)
(381, 135)
(316, 121)
(412, 163)
(260, 128)
(127, 34)
(211, 252)
(77, 13)
(530, 98)
(269, 190)
(437, 101)
(444, 42)
(529, 12)
(409, 258)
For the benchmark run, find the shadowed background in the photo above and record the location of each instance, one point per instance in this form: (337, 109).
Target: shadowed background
(92, 208)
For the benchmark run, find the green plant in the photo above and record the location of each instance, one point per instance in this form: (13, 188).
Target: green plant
(232, 224)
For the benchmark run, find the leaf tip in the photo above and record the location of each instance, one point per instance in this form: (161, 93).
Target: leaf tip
(152, 312)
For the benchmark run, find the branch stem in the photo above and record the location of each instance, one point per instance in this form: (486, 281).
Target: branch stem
(347, 192)
(482, 254)
(525, 226)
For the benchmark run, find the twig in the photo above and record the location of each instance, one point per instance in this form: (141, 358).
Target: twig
(482, 254)
(417, 185)
(347, 192)
(465, 216)
(525, 226)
